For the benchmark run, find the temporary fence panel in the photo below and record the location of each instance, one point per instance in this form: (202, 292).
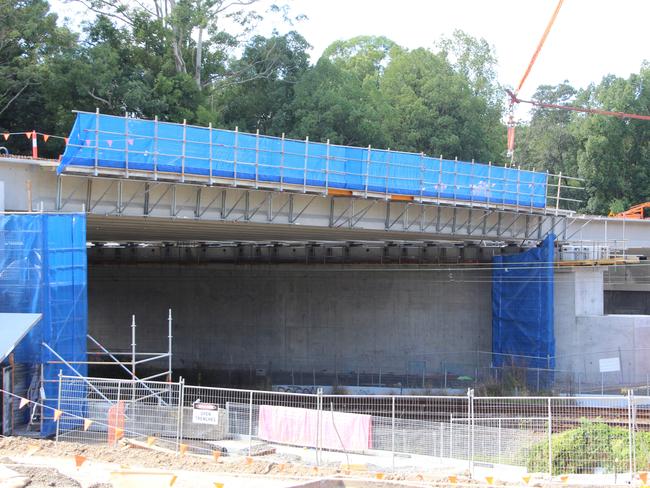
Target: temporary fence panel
(43, 270)
(116, 409)
(522, 307)
(162, 148)
(606, 435)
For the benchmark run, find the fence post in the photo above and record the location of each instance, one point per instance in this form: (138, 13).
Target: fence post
(58, 407)
(319, 423)
(392, 431)
(470, 431)
(630, 428)
(250, 424)
(550, 440)
(181, 401)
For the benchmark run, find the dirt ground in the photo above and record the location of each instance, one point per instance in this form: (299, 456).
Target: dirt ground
(274, 466)
(129, 456)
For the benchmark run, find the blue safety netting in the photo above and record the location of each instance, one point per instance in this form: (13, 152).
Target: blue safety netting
(43, 270)
(104, 141)
(522, 308)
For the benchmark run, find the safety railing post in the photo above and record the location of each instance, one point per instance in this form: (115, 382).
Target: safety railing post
(96, 141)
(234, 157)
(327, 167)
(210, 152)
(257, 157)
(421, 176)
(183, 150)
(304, 174)
(155, 148)
(250, 423)
(367, 175)
(126, 145)
(557, 197)
(282, 163)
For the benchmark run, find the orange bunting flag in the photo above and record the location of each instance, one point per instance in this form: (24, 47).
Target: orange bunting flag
(526, 479)
(79, 460)
(65, 139)
(490, 480)
(5, 135)
(23, 403)
(249, 460)
(87, 424)
(218, 485)
(88, 141)
(45, 137)
(453, 479)
(109, 142)
(564, 478)
(379, 476)
(119, 433)
(183, 449)
(216, 455)
(131, 141)
(644, 477)
(150, 440)
(57, 415)
(173, 480)
(28, 135)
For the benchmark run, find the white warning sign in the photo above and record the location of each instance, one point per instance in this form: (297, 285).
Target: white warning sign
(205, 413)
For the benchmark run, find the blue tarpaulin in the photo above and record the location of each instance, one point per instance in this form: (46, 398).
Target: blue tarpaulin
(43, 270)
(522, 308)
(104, 141)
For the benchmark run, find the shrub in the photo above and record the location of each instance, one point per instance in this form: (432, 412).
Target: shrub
(591, 446)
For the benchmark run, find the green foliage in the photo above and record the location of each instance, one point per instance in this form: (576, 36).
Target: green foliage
(174, 59)
(591, 446)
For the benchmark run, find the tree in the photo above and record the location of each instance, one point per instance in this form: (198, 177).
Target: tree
(432, 108)
(333, 103)
(548, 141)
(260, 96)
(29, 36)
(193, 36)
(614, 154)
(475, 60)
(339, 98)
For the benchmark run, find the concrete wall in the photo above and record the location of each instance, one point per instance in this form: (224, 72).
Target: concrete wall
(288, 316)
(584, 334)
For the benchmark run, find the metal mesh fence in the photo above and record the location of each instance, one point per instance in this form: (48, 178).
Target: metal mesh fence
(552, 435)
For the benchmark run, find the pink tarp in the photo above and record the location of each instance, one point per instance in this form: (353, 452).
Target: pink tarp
(299, 426)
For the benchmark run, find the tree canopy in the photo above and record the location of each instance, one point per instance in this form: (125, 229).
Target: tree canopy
(204, 61)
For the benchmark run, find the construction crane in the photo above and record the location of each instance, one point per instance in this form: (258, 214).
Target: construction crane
(514, 98)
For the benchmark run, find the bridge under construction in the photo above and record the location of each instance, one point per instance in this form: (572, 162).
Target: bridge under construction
(302, 262)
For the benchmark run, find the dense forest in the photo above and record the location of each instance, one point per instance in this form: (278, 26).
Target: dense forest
(204, 61)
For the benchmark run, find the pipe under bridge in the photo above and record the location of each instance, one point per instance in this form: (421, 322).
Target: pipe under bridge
(135, 207)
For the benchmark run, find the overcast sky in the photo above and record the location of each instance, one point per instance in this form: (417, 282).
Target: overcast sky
(591, 38)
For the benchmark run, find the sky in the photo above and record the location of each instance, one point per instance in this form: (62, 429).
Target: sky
(590, 39)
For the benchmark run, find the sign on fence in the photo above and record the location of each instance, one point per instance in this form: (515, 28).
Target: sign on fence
(609, 365)
(205, 413)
